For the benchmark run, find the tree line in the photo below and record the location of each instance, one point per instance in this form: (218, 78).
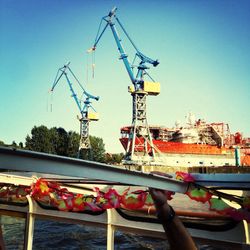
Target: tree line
(60, 142)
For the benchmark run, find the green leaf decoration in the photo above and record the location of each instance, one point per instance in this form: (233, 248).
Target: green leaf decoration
(218, 205)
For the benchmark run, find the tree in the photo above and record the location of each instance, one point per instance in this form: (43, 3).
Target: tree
(40, 140)
(98, 148)
(60, 142)
(13, 144)
(97, 152)
(53, 138)
(73, 144)
(114, 158)
(53, 141)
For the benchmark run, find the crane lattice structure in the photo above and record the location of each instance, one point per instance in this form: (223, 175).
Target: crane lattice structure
(84, 106)
(139, 136)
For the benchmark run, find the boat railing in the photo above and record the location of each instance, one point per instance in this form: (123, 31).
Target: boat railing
(112, 219)
(135, 222)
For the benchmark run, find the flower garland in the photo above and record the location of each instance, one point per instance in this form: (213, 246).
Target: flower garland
(51, 194)
(216, 204)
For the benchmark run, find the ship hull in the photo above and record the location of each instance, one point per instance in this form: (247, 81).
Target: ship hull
(178, 147)
(183, 154)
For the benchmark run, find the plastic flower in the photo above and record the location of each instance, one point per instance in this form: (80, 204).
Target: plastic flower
(218, 205)
(134, 201)
(61, 205)
(40, 188)
(78, 204)
(200, 195)
(101, 200)
(90, 203)
(181, 176)
(149, 200)
(113, 198)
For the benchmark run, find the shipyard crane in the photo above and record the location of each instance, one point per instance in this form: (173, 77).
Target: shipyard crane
(88, 113)
(139, 135)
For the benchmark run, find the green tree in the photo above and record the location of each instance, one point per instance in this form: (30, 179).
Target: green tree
(73, 144)
(97, 152)
(53, 141)
(13, 144)
(39, 140)
(114, 158)
(58, 138)
(98, 148)
(53, 138)
(60, 142)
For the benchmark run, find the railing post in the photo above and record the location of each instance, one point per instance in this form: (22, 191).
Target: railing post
(110, 231)
(29, 226)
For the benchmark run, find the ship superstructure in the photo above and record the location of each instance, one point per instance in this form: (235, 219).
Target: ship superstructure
(198, 143)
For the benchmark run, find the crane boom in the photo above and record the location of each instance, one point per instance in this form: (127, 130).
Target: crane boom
(139, 130)
(137, 79)
(86, 116)
(63, 71)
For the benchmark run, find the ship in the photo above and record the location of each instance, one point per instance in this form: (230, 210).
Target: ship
(195, 144)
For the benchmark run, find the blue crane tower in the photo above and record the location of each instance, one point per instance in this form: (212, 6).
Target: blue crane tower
(88, 113)
(140, 89)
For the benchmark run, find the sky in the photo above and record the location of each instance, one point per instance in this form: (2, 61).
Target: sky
(203, 48)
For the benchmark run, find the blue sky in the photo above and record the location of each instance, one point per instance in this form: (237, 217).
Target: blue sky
(203, 48)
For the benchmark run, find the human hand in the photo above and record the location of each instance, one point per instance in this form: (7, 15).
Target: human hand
(160, 196)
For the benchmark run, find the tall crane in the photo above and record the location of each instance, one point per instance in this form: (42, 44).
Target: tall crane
(139, 135)
(84, 106)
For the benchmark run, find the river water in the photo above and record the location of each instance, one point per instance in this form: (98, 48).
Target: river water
(56, 235)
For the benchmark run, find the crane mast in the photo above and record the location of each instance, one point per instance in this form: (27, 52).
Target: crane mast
(84, 106)
(139, 135)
